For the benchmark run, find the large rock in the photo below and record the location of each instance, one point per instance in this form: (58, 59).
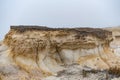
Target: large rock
(42, 50)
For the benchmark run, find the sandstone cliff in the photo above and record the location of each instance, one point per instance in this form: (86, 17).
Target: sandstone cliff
(43, 51)
(115, 44)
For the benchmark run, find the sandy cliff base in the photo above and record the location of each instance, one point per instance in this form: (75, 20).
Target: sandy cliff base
(76, 72)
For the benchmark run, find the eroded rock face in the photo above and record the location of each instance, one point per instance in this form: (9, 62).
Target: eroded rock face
(45, 51)
(115, 44)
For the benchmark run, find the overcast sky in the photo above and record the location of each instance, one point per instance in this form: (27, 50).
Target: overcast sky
(59, 13)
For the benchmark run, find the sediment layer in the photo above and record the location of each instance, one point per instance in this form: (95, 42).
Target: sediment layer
(36, 48)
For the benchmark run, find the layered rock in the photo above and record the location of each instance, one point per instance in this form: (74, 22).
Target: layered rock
(37, 51)
(115, 44)
(43, 49)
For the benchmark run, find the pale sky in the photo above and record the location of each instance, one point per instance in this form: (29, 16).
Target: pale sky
(59, 13)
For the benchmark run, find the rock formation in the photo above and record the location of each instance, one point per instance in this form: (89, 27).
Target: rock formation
(115, 44)
(45, 51)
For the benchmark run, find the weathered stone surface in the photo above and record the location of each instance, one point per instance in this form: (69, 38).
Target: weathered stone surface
(43, 50)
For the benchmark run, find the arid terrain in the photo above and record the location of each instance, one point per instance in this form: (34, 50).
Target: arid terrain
(42, 53)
